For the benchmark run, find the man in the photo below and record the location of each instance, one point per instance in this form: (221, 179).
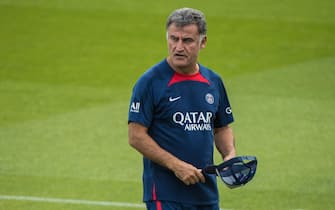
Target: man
(178, 110)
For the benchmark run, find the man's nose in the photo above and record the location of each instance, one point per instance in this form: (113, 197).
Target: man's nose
(180, 45)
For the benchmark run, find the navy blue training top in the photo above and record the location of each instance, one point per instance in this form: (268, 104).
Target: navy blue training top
(180, 113)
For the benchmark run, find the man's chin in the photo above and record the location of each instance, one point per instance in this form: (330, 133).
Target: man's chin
(180, 63)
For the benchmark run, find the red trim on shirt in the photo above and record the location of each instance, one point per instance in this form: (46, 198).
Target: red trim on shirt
(154, 197)
(177, 77)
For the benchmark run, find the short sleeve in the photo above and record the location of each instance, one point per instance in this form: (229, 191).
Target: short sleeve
(141, 103)
(224, 116)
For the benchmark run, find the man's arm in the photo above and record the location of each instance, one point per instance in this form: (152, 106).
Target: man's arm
(142, 142)
(224, 142)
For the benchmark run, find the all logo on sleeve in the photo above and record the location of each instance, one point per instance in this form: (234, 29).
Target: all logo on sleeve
(135, 107)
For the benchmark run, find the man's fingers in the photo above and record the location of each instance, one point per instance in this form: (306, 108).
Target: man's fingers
(189, 174)
(194, 178)
(201, 176)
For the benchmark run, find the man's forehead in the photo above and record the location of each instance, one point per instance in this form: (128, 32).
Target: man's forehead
(187, 30)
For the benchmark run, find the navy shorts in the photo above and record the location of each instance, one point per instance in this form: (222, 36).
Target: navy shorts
(167, 205)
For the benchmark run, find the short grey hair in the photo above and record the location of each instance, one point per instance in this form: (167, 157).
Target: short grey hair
(187, 16)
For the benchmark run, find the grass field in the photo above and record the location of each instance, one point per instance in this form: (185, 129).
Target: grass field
(66, 73)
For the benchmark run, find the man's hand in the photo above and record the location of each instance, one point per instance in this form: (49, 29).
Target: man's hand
(188, 174)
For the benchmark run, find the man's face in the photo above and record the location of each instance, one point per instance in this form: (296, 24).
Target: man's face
(184, 45)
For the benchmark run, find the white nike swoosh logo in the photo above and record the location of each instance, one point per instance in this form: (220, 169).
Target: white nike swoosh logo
(174, 99)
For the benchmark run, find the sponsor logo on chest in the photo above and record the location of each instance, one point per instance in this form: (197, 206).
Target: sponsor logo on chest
(194, 121)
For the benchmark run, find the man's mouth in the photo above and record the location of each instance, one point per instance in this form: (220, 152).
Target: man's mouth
(177, 55)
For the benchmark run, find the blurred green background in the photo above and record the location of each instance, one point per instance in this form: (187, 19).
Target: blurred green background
(66, 73)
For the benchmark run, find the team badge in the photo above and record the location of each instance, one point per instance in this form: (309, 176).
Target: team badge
(209, 98)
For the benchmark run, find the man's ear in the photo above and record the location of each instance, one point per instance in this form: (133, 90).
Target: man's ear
(203, 42)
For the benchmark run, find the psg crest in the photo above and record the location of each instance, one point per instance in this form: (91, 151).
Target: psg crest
(209, 98)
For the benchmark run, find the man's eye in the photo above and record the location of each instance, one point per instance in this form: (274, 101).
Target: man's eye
(188, 40)
(175, 39)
